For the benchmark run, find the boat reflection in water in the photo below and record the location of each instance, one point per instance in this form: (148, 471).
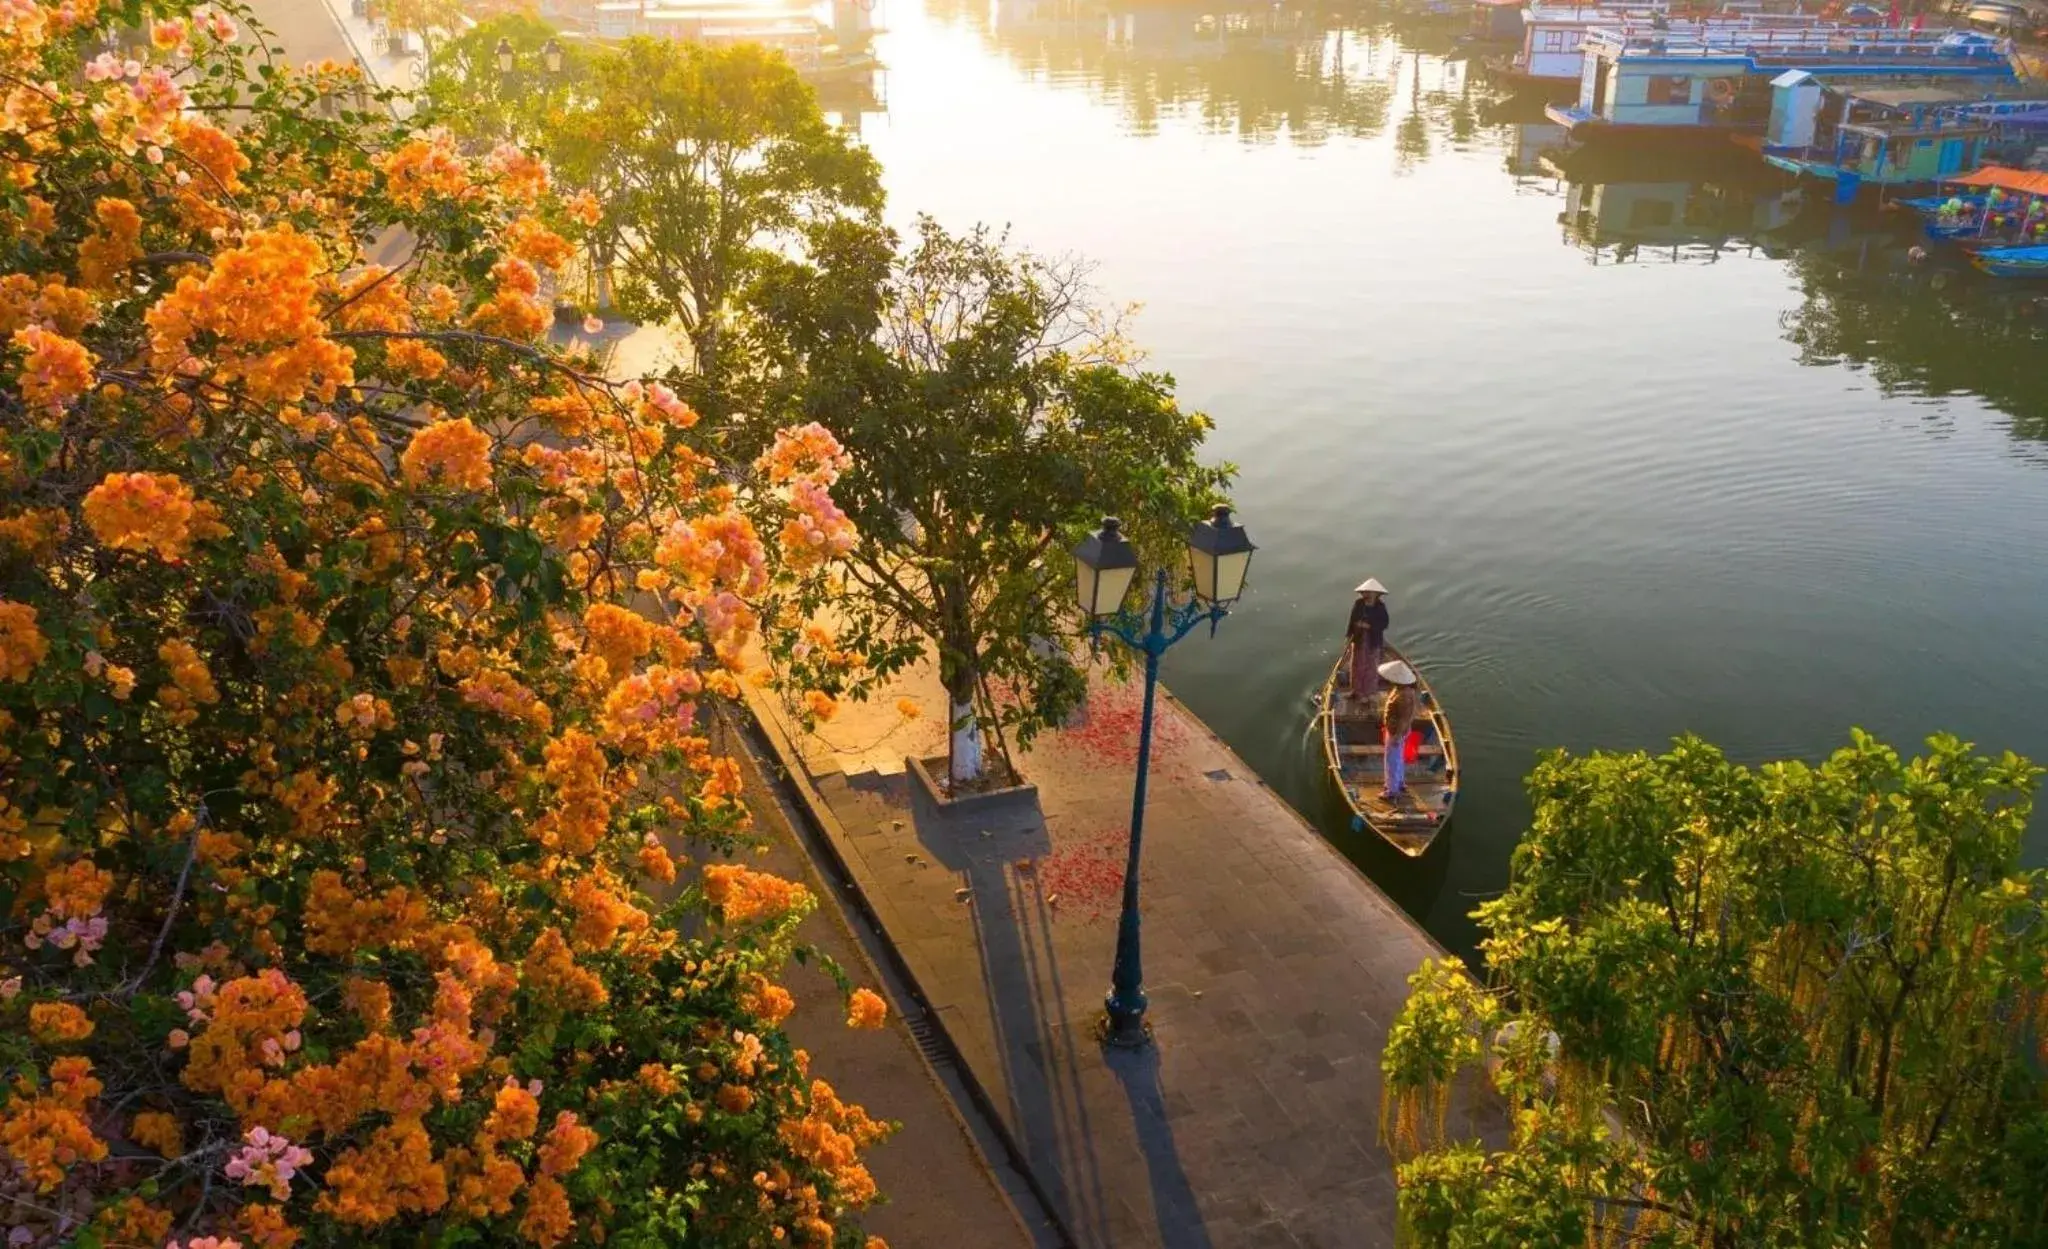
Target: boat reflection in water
(1262, 72)
(1916, 322)
(1528, 158)
(1916, 327)
(1621, 207)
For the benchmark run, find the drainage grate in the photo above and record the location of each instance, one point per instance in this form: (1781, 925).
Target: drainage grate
(928, 1043)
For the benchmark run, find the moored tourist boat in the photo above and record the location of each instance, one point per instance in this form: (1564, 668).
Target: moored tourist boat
(1890, 137)
(1716, 83)
(1996, 207)
(2012, 262)
(1933, 206)
(1357, 761)
(1553, 38)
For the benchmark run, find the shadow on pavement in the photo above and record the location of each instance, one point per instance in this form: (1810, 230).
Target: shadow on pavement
(1173, 1198)
(1037, 1045)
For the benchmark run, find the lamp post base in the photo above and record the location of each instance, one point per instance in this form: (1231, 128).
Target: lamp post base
(1123, 1029)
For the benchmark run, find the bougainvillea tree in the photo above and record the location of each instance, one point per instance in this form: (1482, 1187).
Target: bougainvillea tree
(353, 644)
(1788, 1006)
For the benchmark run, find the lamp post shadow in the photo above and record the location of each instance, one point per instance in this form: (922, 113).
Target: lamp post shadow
(1038, 1044)
(1178, 1214)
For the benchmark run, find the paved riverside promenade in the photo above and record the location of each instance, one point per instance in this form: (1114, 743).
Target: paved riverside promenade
(1274, 969)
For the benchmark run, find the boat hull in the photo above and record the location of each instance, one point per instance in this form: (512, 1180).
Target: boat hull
(2012, 262)
(1356, 760)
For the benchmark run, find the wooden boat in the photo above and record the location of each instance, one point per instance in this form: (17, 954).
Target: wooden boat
(1351, 741)
(2013, 262)
(1931, 206)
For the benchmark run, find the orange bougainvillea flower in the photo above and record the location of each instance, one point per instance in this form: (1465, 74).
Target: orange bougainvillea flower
(745, 895)
(142, 512)
(866, 1009)
(22, 645)
(452, 453)
(46, 1138)
(54, 1023)
(254, 319)
(153, 1129)
(428, 167)
(57, 370)
(113, 245)
(769, 1002)
(353, 772)
(76, 890)
(394, 1174)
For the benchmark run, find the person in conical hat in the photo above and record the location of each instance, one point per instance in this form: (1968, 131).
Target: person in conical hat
(1366, 634)
(1397, 720)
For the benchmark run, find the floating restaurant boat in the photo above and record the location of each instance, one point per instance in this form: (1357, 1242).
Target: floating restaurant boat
(791, 27)
(1553, 38)
(1674, 84)
(1357, 759)
(1553, 41)
(1894, 136)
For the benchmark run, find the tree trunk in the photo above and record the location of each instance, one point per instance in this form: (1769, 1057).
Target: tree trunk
(963, 751)
(601, 261)
(960, 670)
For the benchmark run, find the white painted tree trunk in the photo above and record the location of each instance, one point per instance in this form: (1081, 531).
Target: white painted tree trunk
(966, 743)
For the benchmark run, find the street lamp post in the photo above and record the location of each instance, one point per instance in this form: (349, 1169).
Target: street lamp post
(1219, 554)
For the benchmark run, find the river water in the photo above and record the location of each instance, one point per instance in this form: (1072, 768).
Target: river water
(1664, 449)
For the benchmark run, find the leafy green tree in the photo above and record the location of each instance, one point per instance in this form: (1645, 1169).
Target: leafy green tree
(711, 167)
(994, 415)
(471, 94)
(1785, 1006)
(433, 21)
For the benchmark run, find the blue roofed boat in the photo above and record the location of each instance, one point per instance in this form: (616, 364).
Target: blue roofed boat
(2012, 262)
(1894, 136)
(1935, 205)
(1995, 208)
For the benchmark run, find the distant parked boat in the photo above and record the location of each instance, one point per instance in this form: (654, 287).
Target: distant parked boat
(1932, 206)
(1715, 82)
(2012, 262)
(1995, 208)
(1357, 759)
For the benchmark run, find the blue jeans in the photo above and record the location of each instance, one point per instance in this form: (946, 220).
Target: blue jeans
(1397, 764)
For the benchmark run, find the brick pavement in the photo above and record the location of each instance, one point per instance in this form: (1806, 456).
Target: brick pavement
(1274, 969)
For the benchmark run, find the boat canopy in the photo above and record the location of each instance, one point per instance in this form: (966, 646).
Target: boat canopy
(2004, 178)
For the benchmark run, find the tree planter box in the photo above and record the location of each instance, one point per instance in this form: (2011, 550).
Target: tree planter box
(928, 774)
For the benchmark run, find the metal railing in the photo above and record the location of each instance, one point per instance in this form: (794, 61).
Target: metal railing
(1776, 42)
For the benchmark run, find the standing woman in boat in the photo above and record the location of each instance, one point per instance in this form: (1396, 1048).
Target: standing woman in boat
(1367, 632)
(1397, 723)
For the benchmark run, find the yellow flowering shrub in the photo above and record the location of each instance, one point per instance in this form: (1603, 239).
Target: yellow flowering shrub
(355, 652)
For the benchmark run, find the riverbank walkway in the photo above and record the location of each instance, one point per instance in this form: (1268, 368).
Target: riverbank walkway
(1274, 969)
